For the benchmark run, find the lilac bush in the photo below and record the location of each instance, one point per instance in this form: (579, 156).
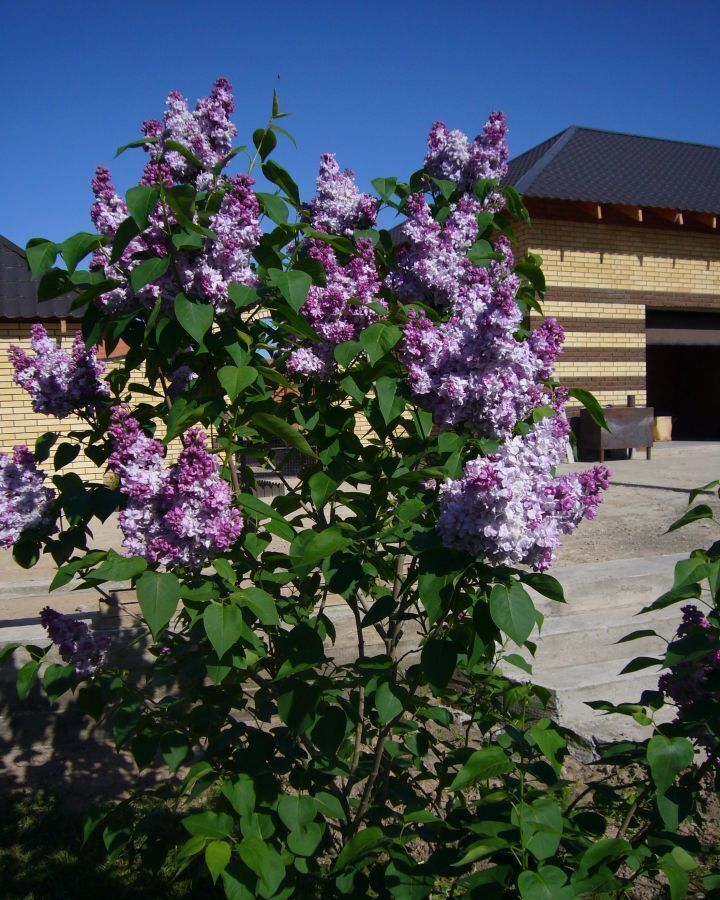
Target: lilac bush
(325, 696)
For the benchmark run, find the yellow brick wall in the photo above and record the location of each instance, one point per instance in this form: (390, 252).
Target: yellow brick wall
(577, 254)
(600, 279)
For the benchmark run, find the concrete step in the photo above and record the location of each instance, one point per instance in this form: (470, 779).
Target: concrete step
(612, 584)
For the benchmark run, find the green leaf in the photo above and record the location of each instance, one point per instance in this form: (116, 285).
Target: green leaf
(692, 515)
(541, 826)
(65, 454)
(58, 679)
(275, 173)
(26, 678)
(296, 811)
(379, 339)
(512, 610)
(548, 883)
(158, 594)
(279, 428)
(384, 186)
(360, 845)
(544, 584)
(262, 510)
(148, 271)
(194, 316)
(217, 856)
(481, 253)
(386, 389)
(550, 742)
(223, 626)
(240, 792)
(601, 851)
(274, 207)
(174, 748)
(447, 187)
(310, 547)
(265, 862)
(322, 487)
(242, 295)
(126, 232)
(265, 142)
(534, 275)
(387, 702)
(41, 255)
(53, 284)
(184, 152)
(7, 651)
(380, 610)
(119, 568)
(235, 379)
(209, 824)
(678, 878)
(489, 762)
(77, 247)
(346, 352)
(589, 401)
(438, 660)
(141, 201)
(293, 285)
(260, 603)
(667, 757)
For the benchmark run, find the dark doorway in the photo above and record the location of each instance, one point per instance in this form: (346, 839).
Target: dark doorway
(683, 371)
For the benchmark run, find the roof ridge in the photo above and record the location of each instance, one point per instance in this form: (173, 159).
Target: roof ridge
(644, 137)
(529, 176)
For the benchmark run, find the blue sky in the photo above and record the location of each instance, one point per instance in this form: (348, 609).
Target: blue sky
(364, 80)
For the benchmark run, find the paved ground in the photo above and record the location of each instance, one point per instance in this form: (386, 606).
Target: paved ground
(643, 500)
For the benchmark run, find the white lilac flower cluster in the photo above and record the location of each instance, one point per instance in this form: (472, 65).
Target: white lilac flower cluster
(25, 504)
(59, 383)
(339, 206)
(510, 509)
(180, 515)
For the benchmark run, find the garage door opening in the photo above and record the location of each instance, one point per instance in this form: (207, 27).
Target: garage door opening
(683, 371)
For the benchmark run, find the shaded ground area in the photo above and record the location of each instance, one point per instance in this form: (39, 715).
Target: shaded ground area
(645, 497)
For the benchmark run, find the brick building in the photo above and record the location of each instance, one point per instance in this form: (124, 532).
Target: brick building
(627, 227)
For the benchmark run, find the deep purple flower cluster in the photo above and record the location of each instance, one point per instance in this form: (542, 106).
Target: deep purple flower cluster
(24, 502)
(179, 515)
(206, 273)
(339, 206)
(469, 370)
(76, 644)
(691, 683)
(509, 508)
(339, 311)
(453, 157)
(58, 382)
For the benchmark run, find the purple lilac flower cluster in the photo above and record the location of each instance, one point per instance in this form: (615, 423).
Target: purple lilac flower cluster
(469, 370)
(453, 157)
(59, 383)
(339, 206)
(509, 508)
(206, 132)
(24, 502)
(691, 683)
(76, 644)
(329, 310)
(179, 515)
(208, 272)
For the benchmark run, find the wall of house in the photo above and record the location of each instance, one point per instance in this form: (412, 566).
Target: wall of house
(601, 279)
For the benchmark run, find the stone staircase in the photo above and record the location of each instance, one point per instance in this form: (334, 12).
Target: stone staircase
(578, 656)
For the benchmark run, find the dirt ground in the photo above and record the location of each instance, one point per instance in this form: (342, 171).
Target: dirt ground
(644, 499)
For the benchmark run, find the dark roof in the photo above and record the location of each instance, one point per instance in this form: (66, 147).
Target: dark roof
(18, 289)
(610, 167)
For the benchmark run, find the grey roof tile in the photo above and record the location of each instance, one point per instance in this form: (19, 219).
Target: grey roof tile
(18, 289)
(610, 167)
